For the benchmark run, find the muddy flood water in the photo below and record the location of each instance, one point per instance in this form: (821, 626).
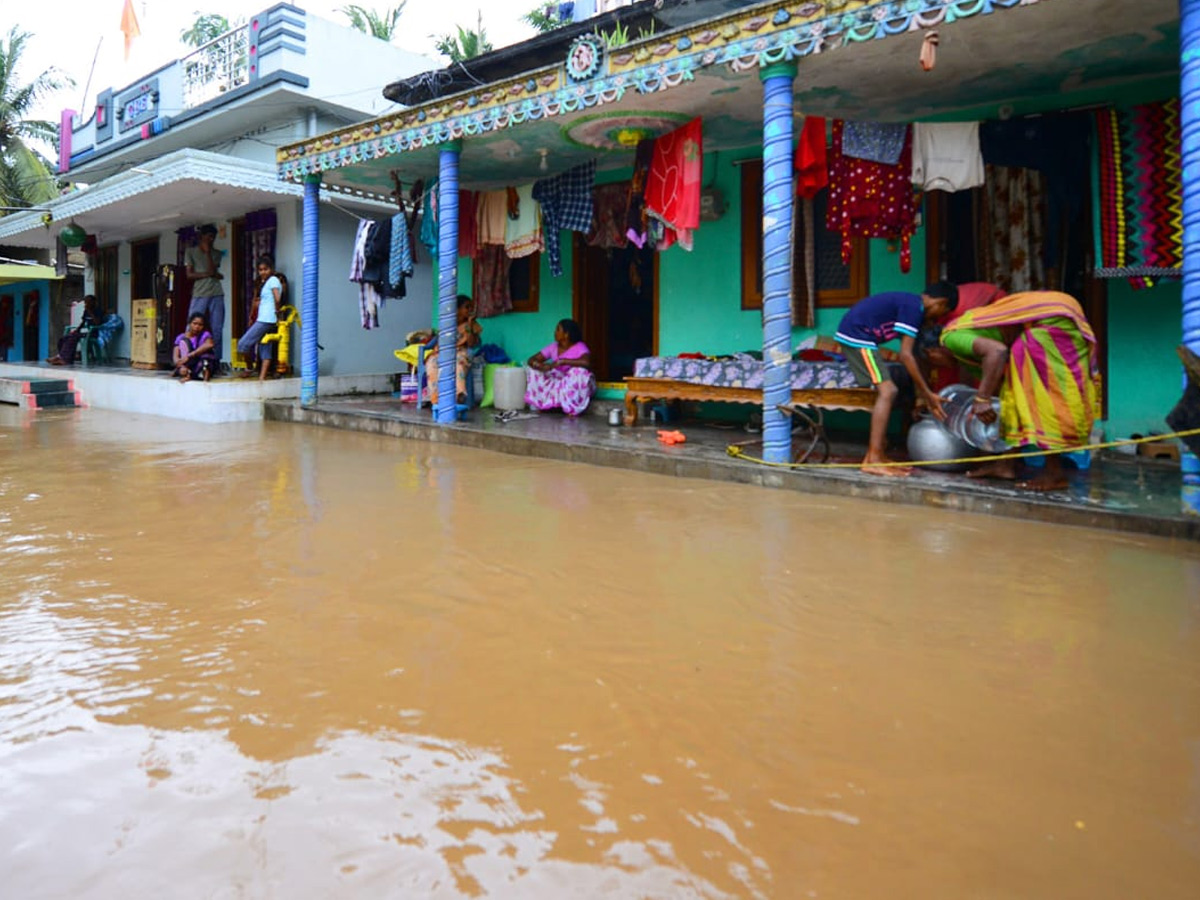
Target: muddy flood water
(271, 661)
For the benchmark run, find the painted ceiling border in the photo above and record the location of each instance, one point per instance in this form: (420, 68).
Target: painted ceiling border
(768, 34)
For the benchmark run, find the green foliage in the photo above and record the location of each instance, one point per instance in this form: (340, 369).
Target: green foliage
(369, 21)
(464, 45)
(25, 175)
(543, 19)
(207, 27)
(618, 37)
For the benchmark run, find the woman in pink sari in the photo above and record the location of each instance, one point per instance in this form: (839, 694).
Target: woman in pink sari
(560, 374)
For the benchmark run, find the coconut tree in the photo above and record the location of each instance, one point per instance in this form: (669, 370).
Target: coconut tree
(368, 21)
(466, 44)
(25, 176)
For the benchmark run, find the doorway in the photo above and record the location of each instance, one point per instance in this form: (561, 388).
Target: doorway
(145, 261)
(616, 305)
(31, 326)
(107, 278)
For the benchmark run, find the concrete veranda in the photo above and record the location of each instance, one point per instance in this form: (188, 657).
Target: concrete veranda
(1134, 494)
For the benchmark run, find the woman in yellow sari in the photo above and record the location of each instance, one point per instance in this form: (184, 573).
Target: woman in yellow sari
(1038, 350)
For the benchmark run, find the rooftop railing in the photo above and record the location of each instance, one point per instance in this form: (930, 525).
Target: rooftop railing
(218, 66)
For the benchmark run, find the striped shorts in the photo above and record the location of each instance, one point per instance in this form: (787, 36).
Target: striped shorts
(869, 370)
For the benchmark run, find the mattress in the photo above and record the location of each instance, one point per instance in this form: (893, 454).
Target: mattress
(743, 373)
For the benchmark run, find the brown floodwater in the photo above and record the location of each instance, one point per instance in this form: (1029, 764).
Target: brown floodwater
(272, 661)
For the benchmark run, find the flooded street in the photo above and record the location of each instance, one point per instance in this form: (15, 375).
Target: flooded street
(271, 661)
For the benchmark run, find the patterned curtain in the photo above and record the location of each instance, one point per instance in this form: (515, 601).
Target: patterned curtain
(804, 263)
(492, 296)
(1013, 229)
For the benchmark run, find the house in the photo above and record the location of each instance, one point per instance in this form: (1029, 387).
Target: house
(565, 98)
(193, 143)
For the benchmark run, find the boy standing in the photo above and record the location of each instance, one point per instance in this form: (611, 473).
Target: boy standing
(265, 314)
(208, 296)
(876, 320)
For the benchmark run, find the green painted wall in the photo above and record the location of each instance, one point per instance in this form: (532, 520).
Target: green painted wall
(1145, 379)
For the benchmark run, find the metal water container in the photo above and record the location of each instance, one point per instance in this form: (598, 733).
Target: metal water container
(958, 402)
(929, 440)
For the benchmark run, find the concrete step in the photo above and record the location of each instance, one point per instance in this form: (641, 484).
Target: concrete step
(39, 393)
(48, 385)
(50, 399)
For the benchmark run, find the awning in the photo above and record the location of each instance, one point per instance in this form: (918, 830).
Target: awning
(13, 273)
(186, 187)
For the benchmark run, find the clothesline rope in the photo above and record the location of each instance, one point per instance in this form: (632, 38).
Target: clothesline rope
(737, 452)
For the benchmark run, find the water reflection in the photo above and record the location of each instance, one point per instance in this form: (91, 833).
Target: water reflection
(272, 661)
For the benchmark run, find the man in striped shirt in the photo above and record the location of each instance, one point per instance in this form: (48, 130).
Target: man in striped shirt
(874, 321)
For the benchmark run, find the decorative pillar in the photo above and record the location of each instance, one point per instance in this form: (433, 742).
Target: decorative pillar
(1189, 116)
(310, 315)
(447, 279)
(779, 192)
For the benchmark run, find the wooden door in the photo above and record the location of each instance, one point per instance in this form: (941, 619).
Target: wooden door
(107, 278)
(590, 306)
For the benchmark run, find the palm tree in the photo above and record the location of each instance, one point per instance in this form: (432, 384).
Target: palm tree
(368, 21)
(466, 44)
(207, 27)
(25, 176)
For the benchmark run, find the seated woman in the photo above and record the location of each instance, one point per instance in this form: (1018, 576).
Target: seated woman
(1039, 351)
(70, 341)
(468, 339)
(560, 375)
(194, 354)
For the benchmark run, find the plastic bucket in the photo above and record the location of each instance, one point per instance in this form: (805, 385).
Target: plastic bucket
(508, 387)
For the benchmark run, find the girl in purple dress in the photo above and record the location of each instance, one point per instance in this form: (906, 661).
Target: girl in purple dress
(560, 374)
(194, 355)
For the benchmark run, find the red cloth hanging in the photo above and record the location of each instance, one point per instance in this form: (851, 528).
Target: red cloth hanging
(467, 204)
(812, 169)
(674, 184)
(870, 199)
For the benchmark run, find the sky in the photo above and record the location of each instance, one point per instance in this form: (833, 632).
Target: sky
(66, 33)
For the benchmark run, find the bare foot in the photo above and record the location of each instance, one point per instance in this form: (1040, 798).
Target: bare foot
(57, 362)
(1002, 469)
(1045, 482)
(879, 465)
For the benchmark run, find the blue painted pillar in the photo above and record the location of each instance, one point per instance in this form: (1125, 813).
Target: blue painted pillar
(310, 314)
(779, 192)
(1189, 114)
(447, 279)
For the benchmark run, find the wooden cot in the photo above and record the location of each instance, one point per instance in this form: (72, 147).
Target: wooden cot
(806, 407)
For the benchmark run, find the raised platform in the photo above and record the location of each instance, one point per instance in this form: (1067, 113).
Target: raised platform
(1135, 495)
(156, 393)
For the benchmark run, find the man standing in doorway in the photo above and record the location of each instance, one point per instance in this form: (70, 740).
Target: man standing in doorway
(208, 297)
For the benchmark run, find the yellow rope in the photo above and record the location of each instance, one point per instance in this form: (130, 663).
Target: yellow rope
(738, 453)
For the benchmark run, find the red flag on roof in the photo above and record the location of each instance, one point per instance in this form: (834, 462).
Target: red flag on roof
(129, 26)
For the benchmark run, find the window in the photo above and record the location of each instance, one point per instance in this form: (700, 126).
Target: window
(838, 283)
(524, 282)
